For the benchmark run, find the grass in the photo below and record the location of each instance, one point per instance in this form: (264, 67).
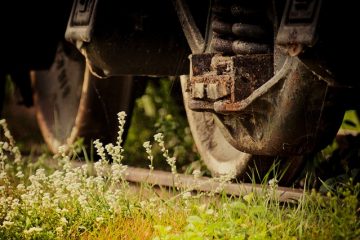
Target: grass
(160, 109)
(95, 202)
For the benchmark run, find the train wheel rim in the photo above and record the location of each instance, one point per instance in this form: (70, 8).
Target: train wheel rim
(221, 158)
(70, 102)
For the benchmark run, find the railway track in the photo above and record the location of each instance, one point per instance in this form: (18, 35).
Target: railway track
(186, 182)
(205, 184)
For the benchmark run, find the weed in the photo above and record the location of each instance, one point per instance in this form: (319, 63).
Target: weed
(161, 109)
(71, 203)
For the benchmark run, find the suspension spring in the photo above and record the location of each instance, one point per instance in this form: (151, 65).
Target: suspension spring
(241, 27)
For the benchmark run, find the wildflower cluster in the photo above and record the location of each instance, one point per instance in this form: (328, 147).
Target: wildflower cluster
(47, 205)
(8, 146)
(148, 147)
(71, 203)
(159, 138)
(115, 152)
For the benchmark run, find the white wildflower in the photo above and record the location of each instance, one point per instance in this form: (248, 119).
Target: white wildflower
(73, 188)
(159, 138)
(10, 146)
(196, 173)
(46, 200)
(97, 182)
(17, 155)
(7, 224)
(82, 199)
(55, 176)
(101, 168)
(64, 159)
(59, 231)
(273, 183)
(112, 199)
(7, 133)
(121, 118)
(15, 203)
(223, 179)
(84, 169)
(117, 171)
(172, 162)
(32, 230)
(115, 152)
(40, 175)
(100, 150)
(19, 174)
(148, 147)
(3, 202)
(99, 219)
(3, 175)
(5, 146)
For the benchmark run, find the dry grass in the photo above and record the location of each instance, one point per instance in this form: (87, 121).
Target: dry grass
(138, 227)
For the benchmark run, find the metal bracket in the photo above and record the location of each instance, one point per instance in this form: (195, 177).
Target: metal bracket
(192, 33)
(298, 25)
(81, 21)
(215, 78)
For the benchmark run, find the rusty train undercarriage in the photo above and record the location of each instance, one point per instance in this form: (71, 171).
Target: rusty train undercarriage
(261, 79)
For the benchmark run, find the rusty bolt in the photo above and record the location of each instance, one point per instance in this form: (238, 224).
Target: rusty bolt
(217, 90)
(198, 90)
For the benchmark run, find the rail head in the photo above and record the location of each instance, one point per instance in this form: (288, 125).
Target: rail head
(206, 184)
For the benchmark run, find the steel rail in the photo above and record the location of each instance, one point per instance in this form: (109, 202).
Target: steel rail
(202, 184)
(205, 184)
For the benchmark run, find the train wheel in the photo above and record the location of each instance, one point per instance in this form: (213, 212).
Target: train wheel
(221, 158)
(70, 102)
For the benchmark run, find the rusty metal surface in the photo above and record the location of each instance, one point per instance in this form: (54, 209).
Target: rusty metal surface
(220, 157)
(81, 21)
(298, 25)
(294, 112)
(265, 104)
(241, 27)
(129, 38)
(217, 78)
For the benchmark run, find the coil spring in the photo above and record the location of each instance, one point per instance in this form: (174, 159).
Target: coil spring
(241, 27)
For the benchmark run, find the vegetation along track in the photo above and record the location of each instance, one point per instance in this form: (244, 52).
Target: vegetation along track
(205, 184)
(202, 184)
